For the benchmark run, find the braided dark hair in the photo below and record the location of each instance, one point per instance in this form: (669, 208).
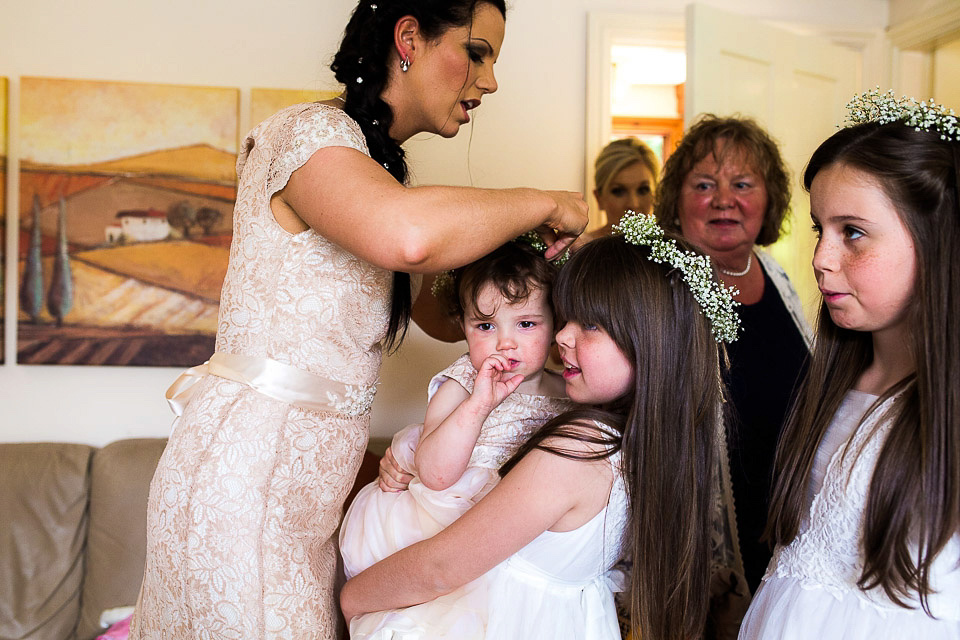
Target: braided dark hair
(361, 66)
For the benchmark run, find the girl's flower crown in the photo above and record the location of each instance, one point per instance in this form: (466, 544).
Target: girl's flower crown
(444, 281)
(873, 106)
(716, 301)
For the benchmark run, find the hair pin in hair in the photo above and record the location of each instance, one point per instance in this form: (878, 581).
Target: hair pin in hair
(443, 283)
(533, 239)
(359, 79)
(373, 7)
(716, 301)
(882, 108)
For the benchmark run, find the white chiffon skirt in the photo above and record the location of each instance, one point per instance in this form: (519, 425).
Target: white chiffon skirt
(784, 609)
(380, 523)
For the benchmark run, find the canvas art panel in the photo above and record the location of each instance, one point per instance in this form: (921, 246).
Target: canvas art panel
(4, 92)
(125, 201)
(266, 102)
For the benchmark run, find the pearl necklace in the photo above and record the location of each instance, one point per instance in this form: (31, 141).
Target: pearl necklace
(737, 274)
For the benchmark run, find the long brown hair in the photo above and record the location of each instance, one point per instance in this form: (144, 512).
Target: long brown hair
(913, 504)
(666, 425)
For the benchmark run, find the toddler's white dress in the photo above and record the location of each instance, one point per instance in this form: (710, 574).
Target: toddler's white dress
(380, 523)
(558, 587)
(810, 588)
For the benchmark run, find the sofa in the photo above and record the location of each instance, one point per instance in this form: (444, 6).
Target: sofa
(73, 533)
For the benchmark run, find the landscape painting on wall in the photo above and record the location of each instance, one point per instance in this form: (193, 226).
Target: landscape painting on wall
(3, 207)
(126, 201)
(266, 102)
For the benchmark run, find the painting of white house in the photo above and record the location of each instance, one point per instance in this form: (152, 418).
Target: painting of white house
(126, 200)
(3, 204)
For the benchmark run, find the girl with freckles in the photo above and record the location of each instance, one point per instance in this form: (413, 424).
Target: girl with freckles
(865, 511)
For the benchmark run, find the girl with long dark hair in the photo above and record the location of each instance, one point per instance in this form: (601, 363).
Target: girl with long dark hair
(631, 474)
(866, 505)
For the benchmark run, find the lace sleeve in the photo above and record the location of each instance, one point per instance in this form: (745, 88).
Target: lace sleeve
(286, 140)
(461, 371)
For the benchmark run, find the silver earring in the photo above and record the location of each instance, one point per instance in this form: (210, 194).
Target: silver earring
(404, 64)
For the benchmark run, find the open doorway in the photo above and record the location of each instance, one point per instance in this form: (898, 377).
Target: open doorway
(794, 84)
(646, 95)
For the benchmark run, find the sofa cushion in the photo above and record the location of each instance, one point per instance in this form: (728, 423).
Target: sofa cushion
(116, 540)
(43, 502)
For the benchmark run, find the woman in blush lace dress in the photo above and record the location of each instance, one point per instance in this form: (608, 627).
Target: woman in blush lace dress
(250, 489)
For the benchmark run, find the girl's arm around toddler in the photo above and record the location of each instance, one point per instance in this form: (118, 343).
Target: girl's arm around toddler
(543, 491)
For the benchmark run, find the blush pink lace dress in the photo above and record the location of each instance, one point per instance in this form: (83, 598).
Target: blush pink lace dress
(250, 489)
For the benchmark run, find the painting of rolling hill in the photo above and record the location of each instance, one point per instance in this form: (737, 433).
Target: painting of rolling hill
(126, 198)
(3, 205)
(266, 102)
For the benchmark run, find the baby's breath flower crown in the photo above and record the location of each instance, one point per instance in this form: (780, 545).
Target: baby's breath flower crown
(444, 281)
(716, 301)
(873, 106)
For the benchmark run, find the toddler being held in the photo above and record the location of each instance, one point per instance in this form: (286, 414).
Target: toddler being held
(480, 409)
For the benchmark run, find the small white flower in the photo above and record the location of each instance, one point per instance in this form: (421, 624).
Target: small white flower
(927, 115)
(716, 301)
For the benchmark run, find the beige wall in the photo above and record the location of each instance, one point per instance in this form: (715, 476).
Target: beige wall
(904, 10)
(530, 133)
(946, 79)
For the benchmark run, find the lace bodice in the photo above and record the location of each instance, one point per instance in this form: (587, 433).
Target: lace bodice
(510, 424)
(298, 298)
(827, 551)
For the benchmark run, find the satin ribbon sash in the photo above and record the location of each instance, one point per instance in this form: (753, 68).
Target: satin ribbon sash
(275, 380)
(526, 571)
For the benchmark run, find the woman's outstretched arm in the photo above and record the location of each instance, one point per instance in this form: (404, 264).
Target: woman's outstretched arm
(352, 201)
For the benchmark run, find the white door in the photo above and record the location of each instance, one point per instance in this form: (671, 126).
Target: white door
(794, 86)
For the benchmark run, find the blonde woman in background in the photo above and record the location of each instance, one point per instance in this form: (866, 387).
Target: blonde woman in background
(626, 173)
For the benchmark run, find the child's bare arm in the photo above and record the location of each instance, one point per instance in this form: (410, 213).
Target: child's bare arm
(453, 421)
(542, 491)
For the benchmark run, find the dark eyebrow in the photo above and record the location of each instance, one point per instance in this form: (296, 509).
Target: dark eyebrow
(850, 219)
(484, 41)
(841, 219)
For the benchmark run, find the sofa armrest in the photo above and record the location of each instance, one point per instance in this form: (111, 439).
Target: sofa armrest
(43, 502)
(120, 477)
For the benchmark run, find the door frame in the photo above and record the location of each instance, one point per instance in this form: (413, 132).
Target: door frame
(668, 30)
(912, 43)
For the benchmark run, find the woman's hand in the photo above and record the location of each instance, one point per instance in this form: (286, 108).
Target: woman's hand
(392, 477)
(567, 223)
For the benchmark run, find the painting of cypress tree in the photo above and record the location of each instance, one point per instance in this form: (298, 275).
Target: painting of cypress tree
(109, 276)
(3, 201)
(31, 289)
(60, 295)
